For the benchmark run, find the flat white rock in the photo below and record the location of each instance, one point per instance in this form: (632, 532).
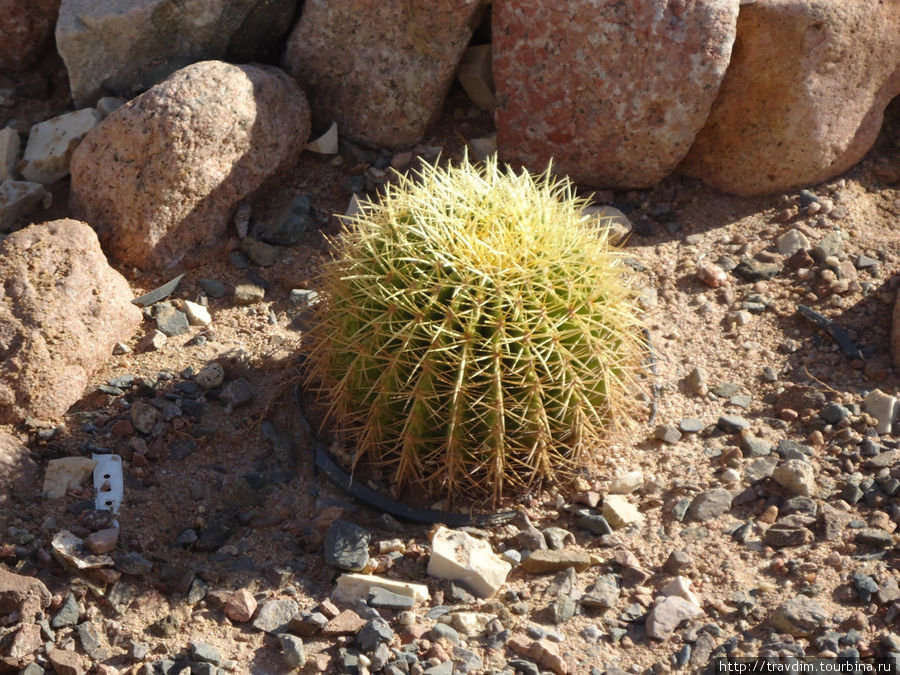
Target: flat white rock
(883, 408)
(51, 144)
(65, 473)
(458, 556)
(619, 512)
(353, 587)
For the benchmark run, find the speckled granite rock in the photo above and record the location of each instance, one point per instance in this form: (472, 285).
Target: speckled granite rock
(804, 96)
(379, 69)
(62, 308)
(614, 93)
(163, 173)
(25, 26)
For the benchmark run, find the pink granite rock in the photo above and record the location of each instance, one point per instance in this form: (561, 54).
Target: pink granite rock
(62, 308)
(379, 69)
(804, 96)
(25, 26)
(240, 605)
(15, 589)
(613, 92)
(164, 172)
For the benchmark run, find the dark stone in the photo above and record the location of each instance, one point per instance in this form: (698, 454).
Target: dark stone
(373, 633)
(289, 226)
(834, 413)
(732, 424)
(67, 614)
(753, 270)
(347, 546)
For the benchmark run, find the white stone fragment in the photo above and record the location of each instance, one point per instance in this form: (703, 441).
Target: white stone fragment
(469, 623)
(351, 588)
(792, 241)
(18, 198)
(197, 314)
(796, 476)
(626, 483)
(611, 219)
(65, 473)
(619, 512)
(883, 408)
(52, 142)
(327, 143)
(680, 587)
(458, 556)
(667, 615)
(9, 153)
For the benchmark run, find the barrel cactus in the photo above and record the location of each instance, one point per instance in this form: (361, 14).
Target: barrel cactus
(477, 333)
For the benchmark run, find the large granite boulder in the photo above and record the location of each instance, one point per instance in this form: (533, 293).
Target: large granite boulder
(380, 69)
(62, 308)
(122, 47)
(18, 475)
(164, 172)
(25, 26)
(614, 92)
(804, 96)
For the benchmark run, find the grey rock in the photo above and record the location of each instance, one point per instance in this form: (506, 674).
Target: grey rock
(303, 298)
(288, 227)
(201, 651)
(213, 288)
(603, 594)
(678, 563)
(445, 668)
(133, 563)
(799, 616)
(67, 614)
(123, 49)
(381, 597)
(274, 616)
(726, 389)
(781, 537)
(292, 650)
(557, 538)
(442, 630)
(347, 546)
(18, 199)
(710, 505)
(760, 469)
(170, 321)
(751, 446)
(732, 424)
(828, 245)
(261, 253)
(88, 636)
(594, 523)
(754, 270)
(667, 614)
(865, 586)
(237, 393)
(874, 538)
(689, 425)
(834, 413)
(667, 433)
(788, 449)
(562, 609)
(375, 632)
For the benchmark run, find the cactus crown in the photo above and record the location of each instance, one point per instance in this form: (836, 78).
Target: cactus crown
(476, 332)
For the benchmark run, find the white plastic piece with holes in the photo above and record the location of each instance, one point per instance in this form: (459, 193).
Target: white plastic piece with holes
(108, 483)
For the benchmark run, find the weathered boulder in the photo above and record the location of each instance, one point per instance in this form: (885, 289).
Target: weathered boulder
(15, 589)
(379, 69)
(615, 92)
(804, 96)
(25, 26)
(121, 48)
(164, 172)
(62, 308)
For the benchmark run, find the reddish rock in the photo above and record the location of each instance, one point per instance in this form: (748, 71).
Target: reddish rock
(380, 70)
(27, 640)
(16, 589)
(546, 655)
(102, 541)
(804, 96)
(613, 92)
(25, 26)
(240, 606)
(62, 308)
(164, 172)
(347, 622)
(66, 663)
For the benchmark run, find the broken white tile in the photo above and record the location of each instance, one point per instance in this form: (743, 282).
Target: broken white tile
(458, 556)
